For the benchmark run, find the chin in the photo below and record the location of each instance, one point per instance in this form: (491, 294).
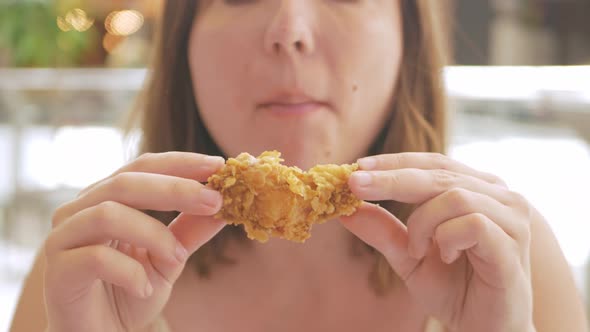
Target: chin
(301, 161)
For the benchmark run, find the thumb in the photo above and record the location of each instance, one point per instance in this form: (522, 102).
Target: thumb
(192, 232)
(383, 231)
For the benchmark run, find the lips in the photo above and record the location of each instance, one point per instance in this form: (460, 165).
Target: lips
(292, 103)
(304, 107)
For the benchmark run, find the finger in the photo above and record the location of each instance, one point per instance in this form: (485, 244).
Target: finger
(456, 203)
(381, 230)
(412, 185)
(194, 231)
(423, 160)
(494, 256)
(191, 232)
(187, 165)
(80, 268)
(148, 191)
(111, 220)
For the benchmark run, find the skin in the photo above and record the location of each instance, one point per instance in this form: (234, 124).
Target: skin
(296, 47)
(472, 255)
(466, 249)
(104, 271)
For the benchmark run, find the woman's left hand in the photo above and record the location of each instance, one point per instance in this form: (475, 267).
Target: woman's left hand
(464, 255)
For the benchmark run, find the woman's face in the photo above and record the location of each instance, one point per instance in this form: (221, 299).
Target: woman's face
(313, 79)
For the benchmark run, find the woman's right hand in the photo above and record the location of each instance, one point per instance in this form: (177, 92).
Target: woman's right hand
(111, 267)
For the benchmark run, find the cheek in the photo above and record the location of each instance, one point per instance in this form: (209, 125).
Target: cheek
(381, 73)
(370, 76)
(220, 84)
(380, 65)
(215, 69)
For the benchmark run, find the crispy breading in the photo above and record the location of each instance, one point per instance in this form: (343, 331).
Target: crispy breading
(271, 199)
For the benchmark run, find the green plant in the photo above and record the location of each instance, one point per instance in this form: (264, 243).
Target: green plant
(29, 31)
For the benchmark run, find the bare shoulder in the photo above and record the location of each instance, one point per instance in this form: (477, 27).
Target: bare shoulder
(558, 305)
(30, 311)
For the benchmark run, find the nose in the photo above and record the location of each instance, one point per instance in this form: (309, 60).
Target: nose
(290, 29)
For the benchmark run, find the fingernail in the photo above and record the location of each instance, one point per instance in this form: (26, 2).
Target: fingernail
(414, 252)
(214, 160)
(148, 289)
(180, 253)
(455, 256)
(450, 257)
(211, 198)
(362, 178)
(367, 163)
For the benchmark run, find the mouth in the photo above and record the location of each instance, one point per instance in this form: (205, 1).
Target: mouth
(292, 104)
(294, 108)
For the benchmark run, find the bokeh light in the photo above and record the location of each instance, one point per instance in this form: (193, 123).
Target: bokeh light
(63, 25)
(124, 22)
(76, 19)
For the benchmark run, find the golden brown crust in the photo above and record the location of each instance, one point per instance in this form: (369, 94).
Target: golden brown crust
(271, 199)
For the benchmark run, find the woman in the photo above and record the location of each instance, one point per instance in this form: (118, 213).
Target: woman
(322, 81)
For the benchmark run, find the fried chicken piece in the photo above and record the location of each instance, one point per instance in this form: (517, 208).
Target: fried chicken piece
(271, 199)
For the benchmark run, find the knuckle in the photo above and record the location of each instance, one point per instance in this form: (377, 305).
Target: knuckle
(392, 180)
(516, 199)
(495, 179)
(440, 160)
(187, 158)
(119, 183)
(143, 162)
(179, 158)
(83, 192)
(99, 258)
(104, 213)
(144, 158)
(522, 232)
(160, 231)
(172, 158)
(524, 210)
(398, 160)
(478, 224)
(519, 202)
(444, 179)
(59, 215)
(460, 199)
(177, 188)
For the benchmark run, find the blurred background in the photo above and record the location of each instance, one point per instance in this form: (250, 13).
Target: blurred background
(70, 70)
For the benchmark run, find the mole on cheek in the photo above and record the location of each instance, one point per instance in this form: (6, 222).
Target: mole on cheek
(246, 67)
(355, 87)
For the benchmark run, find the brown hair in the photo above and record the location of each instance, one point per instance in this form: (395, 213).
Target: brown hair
(168, 117)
